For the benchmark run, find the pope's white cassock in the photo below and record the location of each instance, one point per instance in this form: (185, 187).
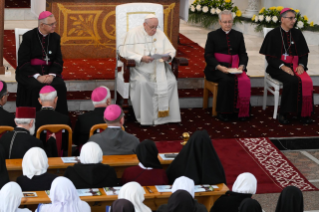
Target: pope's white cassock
(153, 86)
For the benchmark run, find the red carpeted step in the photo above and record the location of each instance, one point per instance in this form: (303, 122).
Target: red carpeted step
(94, 69)
(17, 4)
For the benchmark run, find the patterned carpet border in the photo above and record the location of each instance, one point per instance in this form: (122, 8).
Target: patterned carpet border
(275, 164)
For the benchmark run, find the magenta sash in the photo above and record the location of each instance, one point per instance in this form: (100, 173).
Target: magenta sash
(39, 62)
(306, 83)
(244, 91)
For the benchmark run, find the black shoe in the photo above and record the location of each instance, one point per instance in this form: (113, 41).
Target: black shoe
(283, 120)
(306, 120)
(223, 117)
(243, 118)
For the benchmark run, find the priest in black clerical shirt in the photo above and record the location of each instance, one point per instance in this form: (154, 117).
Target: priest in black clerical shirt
(225, 52)
(6, 118)
(101, 98)
(286, 52)
(47, 115)
(40, 63)
(16, 143)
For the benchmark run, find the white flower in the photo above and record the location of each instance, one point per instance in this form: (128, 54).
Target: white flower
(205, 9)
(213, 11)
(300, 24)
(234, 14)
(198, 7)
(268, 19)
(274, 19)
(218, 11)
(261, 17)
(192, 8)
(256, 18)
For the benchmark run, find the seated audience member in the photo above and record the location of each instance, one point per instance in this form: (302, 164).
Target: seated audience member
(184, 183)
(113, 140)
(149, 171)
(10, 198)
(249, 205)
(47, 115)
(197, 160)
(290, 200)
(4, 177)
(180, 201)
(244, 187)
(91, 173)
(101, 98)
(122, 205)
(64, 198)
(134, 192)
(35, 176)
(17, 142)
(7, 119)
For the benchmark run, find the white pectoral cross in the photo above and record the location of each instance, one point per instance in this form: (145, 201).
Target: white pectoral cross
(286, 55)
(47, 59)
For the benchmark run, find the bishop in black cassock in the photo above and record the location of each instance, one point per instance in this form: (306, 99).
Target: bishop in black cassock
(6, 118)
(16, 143)
(280, 45)
(47, 115)
(40, 63)
(101, 98)
(226, 41)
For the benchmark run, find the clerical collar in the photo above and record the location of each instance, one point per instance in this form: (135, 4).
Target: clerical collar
(227, 32)
(284, 30)
(47, 108)
(41, 33)
(113, 127)
(143, 167)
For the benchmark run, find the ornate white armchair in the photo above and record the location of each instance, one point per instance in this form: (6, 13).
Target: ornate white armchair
(129, 16)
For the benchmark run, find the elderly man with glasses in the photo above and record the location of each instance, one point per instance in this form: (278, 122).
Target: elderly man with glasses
(286, 52)
(226, 62)
(40, 63)
(153, 86)
(6, 118)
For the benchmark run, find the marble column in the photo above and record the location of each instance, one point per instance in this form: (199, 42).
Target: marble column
(252, 9)
(2, 69)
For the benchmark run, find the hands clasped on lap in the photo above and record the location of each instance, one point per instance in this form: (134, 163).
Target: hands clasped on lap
(288, 70)
(45, 79)
(148, 59)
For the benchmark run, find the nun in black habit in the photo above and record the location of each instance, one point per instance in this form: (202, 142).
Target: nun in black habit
(290, 200)
(198, 160)
(91, 173)
(4, 177)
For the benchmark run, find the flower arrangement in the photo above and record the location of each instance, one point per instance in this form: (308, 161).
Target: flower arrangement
(270, 18)
(206, 12)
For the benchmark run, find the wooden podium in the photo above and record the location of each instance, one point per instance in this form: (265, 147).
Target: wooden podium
(87, 27)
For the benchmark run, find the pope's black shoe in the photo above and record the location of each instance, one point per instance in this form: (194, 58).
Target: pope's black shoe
(283, 120)
(223, 117)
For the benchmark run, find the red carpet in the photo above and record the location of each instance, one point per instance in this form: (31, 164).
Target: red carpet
(17, 4)
(94, 69)
(256, 155)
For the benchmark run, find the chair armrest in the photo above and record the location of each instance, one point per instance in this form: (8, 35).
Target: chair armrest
(178, 61)
(127, 64)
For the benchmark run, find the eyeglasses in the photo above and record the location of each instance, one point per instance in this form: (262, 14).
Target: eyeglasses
(291, 18)
(51, 25)
(153, 27)
(227, 22)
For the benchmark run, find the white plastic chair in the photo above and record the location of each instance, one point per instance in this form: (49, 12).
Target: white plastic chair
(129, 16)
(18, 35)
(271, 85)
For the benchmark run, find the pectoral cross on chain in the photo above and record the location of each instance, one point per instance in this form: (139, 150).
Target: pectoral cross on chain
(286, 55)
(47, 59)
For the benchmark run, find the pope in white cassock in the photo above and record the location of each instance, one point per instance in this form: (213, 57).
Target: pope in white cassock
(153, 86)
